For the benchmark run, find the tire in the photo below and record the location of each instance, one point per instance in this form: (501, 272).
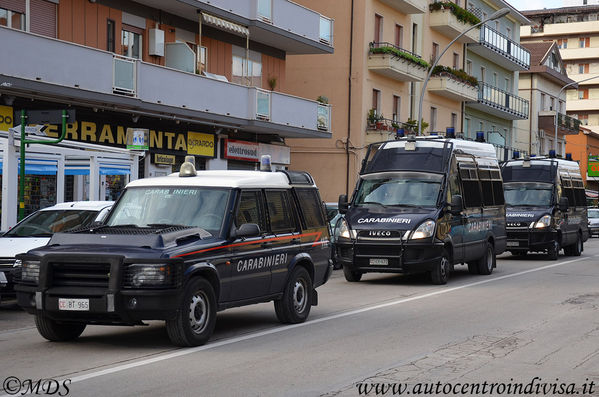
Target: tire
(553, 251)
(487, 262)
(473, 267)
(55, 331)
(351, 275)
(576, 248)
(294, 306)
(440, 273)
(196, 316)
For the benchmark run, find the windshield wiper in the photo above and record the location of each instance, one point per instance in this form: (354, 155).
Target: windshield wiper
(407, 205)
(164, 225)
(373, 202)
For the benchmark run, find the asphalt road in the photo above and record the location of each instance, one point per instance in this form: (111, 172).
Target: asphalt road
(531, 318)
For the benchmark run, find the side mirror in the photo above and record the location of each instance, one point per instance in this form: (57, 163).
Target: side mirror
(457, 205)
(246, 230)
(343, 205)
(564, 204)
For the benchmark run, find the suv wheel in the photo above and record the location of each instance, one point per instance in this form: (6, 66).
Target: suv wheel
(553, 251)
(576, 248)
(440, 273)
(351, 275)
(487, 262)
(196, 317)
(55, 331)
(294, 306)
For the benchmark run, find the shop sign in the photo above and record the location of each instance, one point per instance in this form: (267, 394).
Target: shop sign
(138, 138)
(6, 118)
(240, 150)
(200, 144)
(167, 159)
(278, 154)
(593, 169)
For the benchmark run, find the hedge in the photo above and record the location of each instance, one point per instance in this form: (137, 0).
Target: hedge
(398, 53)
(460, 13)
(460, 74)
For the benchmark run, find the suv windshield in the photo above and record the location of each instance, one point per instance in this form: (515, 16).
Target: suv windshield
(171, 206)
(527, 194)
(399, 189)
(594, 213)
(45, 223)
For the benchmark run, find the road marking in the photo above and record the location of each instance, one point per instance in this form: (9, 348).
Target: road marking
(191, 350)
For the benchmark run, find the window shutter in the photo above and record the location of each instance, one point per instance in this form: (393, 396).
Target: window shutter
(13, 5)
(43, 18)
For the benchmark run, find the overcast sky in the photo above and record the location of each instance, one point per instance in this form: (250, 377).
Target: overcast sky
(535, 4)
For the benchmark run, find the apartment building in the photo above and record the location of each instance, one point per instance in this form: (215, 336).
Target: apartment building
(576, 31)
(541, 86)
(190, 77)
(496, 60)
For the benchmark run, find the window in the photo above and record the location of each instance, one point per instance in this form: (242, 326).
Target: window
(396, 107)
(280, 212)
(399, 36)
(497, 26)
(470, 186)
(309, 202)
(494, 79)
(583, 68)
(378, 28)
(508, 33)
(456, 60)
(251, 209)
(551, 103)
(435, 53)
(542, 102)
(131, 44)
(376, 101)
(469, 67)
(584, 119)
(110, 44)
(561, 106)
(507, 85)
(433, 126)
(12, 19)
(454, 120)
(482, 74)
(247, 73)
(202, 59)
(481, 126)
(584, 42)
(583, 93)
(467, 127)
(562, 43)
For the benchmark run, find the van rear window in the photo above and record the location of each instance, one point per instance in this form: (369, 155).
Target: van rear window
(309, 203)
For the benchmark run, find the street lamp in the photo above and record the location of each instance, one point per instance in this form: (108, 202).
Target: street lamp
(558, 95)
(497, 14)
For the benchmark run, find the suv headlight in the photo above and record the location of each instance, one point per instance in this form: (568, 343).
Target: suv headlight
(150, 275)
(543, 222)
(342, 231)
(30, 271)
(424, 230)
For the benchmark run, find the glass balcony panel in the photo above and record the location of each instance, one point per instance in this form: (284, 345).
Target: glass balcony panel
(263, 105)
(326, 29)
(124, 75)
(323, 119)
(265, 9)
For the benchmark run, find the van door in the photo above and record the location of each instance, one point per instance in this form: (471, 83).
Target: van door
(474, 233)
(570, 224)
(456, 222)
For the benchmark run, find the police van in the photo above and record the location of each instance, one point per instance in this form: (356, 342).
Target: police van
(180, 248)
(423, 204)
(546, 206)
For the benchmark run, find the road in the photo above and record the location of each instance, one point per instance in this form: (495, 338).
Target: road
(531, 318)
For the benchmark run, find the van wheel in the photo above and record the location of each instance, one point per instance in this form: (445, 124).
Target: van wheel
(351, 276)
(294, 306)
(576, 248)
(473, 267)
(487, 262)
(55, 331)
(553, 251)
(196, 317)
(440, 273)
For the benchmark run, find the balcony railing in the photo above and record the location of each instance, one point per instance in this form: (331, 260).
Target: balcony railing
(517, 57)
(124, 75)
(568, 122)
(502, 103)
(262, 104)
(397, 63)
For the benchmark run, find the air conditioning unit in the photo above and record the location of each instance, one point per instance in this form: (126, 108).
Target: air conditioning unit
(156, 42)
(541, 134)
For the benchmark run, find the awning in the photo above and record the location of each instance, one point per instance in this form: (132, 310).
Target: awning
(40, 167)
(114, 171)
(76, 170)
(224, 24)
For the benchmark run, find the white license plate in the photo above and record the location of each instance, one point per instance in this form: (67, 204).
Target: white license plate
(513, 243)
(81, 305)
(379, 262)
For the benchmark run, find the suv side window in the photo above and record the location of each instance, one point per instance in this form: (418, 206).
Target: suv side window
(309, 202)
(280, 212)
(251, 209)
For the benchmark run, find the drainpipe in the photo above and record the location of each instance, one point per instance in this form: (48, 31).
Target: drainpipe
(530, 107)
(351, 47)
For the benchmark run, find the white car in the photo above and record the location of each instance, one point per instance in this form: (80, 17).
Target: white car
(593, 221)
(36, 229)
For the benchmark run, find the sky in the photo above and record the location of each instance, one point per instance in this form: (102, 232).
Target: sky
(522, 5)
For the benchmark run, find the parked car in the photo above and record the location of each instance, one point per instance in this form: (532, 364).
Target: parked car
(593, 221)
(37, 229)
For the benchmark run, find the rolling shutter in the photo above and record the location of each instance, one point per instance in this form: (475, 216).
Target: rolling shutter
(13, 5)
(43, 18)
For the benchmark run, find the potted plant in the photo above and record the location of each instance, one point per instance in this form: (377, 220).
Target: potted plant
(380, 122)
(322, 99)
(412, 126)
(372, 117)
(272, 82)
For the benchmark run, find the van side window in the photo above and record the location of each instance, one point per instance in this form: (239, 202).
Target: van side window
(280, 212)
(579, 193)
(309, 202)
(568, 191)
(498, 197)
(470, 186)
(251, 209)
(492, 186)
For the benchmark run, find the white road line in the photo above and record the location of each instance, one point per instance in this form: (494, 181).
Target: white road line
(191, 350)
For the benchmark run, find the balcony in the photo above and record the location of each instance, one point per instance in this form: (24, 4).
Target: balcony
(572, 54)
(582, 105)
(566, 125)
(500, 103)
(396, 63)
(79, 75)
(281, 24)
(499, 49)
(407, 6)
(447, 23)
(451, 87)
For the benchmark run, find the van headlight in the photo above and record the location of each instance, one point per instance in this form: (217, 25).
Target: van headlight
(543, 222)
(424, 230)
(149, 275)
(342, 231)
(30, 271)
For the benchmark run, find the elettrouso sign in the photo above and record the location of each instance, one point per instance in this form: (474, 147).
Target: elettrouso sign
(200, 144)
